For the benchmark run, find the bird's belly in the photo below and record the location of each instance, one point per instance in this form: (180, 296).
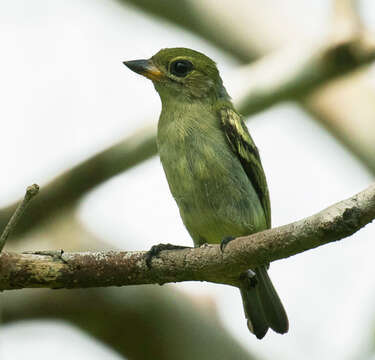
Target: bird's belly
(214, 195)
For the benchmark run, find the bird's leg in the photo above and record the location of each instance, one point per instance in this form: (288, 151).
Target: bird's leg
(226, 240)
(249, 276)
(156, 249)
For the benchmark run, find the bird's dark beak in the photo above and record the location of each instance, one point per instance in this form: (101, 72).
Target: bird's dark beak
(145, 68)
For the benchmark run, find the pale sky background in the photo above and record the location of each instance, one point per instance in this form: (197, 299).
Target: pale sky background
(66, 95)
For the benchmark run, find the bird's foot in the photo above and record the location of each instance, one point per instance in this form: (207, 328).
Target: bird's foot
(156, 249)
(226, 240)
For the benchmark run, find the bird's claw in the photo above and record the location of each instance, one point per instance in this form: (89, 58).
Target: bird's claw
(226, 240)
(156, 249)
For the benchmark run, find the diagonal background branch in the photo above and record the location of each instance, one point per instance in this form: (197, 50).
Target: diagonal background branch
(138, 322)
(117, 268)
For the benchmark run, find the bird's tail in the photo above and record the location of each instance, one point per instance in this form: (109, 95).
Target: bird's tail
(262, 305)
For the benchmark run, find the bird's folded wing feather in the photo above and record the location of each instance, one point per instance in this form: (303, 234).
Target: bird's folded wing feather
(244, 148)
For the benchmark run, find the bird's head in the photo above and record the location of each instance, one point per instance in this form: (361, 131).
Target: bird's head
(181, 73)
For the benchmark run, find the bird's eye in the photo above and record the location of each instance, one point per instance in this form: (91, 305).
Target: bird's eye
(181, 68)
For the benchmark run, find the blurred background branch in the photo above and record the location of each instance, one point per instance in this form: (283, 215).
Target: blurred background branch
(188, 15)
(138, 322)
(66, 189)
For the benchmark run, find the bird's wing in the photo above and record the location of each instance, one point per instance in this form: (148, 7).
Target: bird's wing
(244, 148)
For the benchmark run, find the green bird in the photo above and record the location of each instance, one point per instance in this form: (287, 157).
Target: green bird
(213, 168)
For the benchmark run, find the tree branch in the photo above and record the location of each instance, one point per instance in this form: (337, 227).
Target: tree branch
(117, 268)
(298, 70)
(31, 191)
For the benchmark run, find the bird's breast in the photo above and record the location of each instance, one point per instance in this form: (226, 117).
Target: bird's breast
(207, 180)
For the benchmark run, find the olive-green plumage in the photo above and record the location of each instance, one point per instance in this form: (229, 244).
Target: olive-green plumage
(213, 167)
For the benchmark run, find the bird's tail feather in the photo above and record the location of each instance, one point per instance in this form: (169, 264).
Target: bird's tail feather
(262, 305)
(256, 319)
